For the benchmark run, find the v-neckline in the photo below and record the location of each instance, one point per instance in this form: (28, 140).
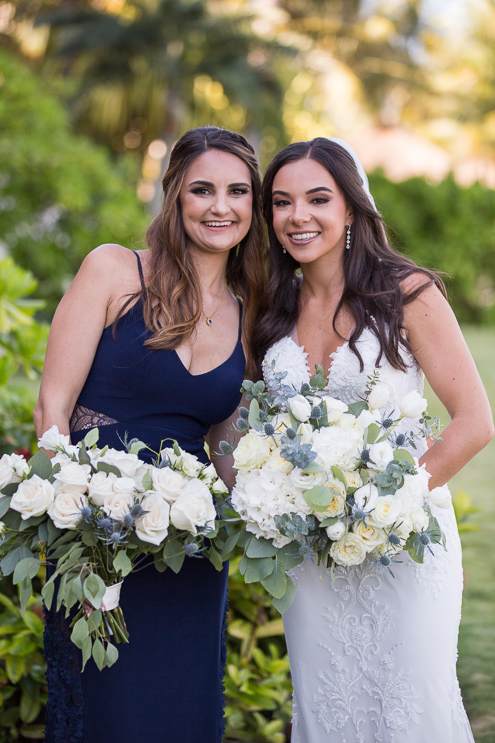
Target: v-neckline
(295, 340)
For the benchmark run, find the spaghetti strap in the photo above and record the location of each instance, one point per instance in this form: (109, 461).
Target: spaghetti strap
(140, 268)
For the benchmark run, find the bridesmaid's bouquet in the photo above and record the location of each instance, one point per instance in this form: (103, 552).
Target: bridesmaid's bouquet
(319, 479)
(96, 515)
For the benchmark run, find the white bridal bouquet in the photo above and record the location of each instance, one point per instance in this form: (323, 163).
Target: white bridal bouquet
(319, 478)
(95, 514)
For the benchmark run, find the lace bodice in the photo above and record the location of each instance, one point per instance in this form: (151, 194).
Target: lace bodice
(346, 381)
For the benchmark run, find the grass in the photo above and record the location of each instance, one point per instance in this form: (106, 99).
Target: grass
(476, 665)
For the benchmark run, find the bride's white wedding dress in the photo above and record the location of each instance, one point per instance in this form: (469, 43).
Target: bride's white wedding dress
(373, 657)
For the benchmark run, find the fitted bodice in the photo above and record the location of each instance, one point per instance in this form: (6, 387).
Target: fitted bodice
(149, 394)
(346, 380)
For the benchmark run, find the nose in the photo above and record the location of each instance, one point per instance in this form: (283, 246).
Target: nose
(299, 214)
(220, 205)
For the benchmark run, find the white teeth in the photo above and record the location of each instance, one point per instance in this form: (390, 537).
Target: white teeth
(218, 224)
(305, 236)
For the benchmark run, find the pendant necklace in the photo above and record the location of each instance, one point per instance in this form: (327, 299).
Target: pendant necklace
(208, 317)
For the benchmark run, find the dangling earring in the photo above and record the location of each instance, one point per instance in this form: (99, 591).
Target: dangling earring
(348, 238)
(283, 249)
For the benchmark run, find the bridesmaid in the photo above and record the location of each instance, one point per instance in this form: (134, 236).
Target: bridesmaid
(148, 344)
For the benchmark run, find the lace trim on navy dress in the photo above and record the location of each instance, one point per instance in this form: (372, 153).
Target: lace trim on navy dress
(84, 418)
(65, 707)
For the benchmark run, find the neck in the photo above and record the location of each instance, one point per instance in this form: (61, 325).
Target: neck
(211, 269)
(323, 278)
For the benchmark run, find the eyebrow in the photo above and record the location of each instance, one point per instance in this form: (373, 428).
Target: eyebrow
(311, 190)
(212, 185)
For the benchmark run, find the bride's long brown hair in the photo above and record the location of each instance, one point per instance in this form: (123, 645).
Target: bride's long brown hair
(373, 271)
(172, 297)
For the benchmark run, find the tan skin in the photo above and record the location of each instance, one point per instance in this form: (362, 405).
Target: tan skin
(216, 205)
(308, 202)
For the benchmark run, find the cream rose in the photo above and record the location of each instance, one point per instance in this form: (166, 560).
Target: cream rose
(335, 409)
(300, 408)
(337, 506)
(100, 488)
(371, 535)
(33, 497)
(420, 520)
(12, 468)
(153, 526)
(73, 477)
(352, 479)
(53, 440)
(127, 464)
(65, 510)
(350, 550)
(194, 508)
(386, 511)
(366, 497)
(412, 405)
(190, 465)
(251, 452)
(307, 480)
(219, 486)
(119, 505)
(168, 482)
(378, 396)
(276, 462)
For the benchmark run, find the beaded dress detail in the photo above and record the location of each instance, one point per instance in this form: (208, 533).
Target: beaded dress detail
(373, 658)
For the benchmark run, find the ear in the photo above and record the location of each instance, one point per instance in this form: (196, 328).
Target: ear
(349, 217)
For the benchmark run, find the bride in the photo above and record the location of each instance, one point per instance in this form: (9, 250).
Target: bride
(373, 657)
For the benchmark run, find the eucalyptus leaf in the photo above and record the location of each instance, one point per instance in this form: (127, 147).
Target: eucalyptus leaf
(260, 548)
(276, 582)
(215, 558)
(285, 602)
(112, 654)
(173, 554)
(80, 632)
(339, 475)
(122, 563)
(99, 654)
(108, 468)
(372, 433)
(26, 568)
(136, 447)
(33, 521)
(9, 562)
(229, 544)
(26, 590)
(312, 467)
(47, 593)
(91, 438)
(147, 481)
(254, 415)
(9, 490)
(243, 563)
(40, 465)
(356, 408)
(87, 647)
(258, 568)
(4, 505)
(319, 497)
(93, 589)
(403, 455)
(329, 521)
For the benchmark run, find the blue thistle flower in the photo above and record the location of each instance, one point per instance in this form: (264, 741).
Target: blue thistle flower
(243, 413)
(226, 448)
(365, 455)
(268, 429)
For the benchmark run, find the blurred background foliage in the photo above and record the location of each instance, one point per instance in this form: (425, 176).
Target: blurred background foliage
(93, 94)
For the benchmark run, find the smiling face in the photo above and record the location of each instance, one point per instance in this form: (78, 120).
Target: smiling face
(216, 201)
(310, 214)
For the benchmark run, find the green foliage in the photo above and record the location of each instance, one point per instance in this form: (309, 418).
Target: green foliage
(463, 507)
(257, 682)
(449, 228)
(60, 195)
(22, 348)
(23, 691)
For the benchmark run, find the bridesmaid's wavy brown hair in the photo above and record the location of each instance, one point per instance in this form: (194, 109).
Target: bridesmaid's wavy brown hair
(172, 297)
(373, 271)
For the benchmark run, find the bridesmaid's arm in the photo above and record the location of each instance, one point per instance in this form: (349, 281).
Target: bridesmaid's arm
(74, 336)
(441, 351)
(224, 464)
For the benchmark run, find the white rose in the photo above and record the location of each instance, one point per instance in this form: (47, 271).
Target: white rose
(2, 527)
(124, 486)
(440, 497)
(193, 508)
(371, 535)
(219, 486)
(12, 468)
(169, 483)
(336, 531)
(386, 511)
(276, 462)
(119, 505)
(251, 452)
(307, 480)
(305, 431)
(209, 474)
(153, 526)
(33, 497)
(335, 409)
(100, 487)
(403, 527)
(366, 497)
(378, 396)
(380, 455)
(73, 477)
(127, 464)
(53, 440)
(412, 405)
(300, 408)
(346, 421)
(352, 479)
(350, 550)
(414, 491)
(420, 520)
(65, 510)
(190, 465)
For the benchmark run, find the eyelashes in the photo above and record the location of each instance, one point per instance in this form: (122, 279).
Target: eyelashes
(202, 191)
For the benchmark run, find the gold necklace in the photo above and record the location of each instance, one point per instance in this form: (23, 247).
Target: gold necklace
(208, 317)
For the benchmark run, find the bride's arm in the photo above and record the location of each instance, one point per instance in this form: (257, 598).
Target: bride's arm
(441, 351)
(74, 335)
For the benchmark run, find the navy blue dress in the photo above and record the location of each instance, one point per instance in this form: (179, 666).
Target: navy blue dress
(166, 686)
